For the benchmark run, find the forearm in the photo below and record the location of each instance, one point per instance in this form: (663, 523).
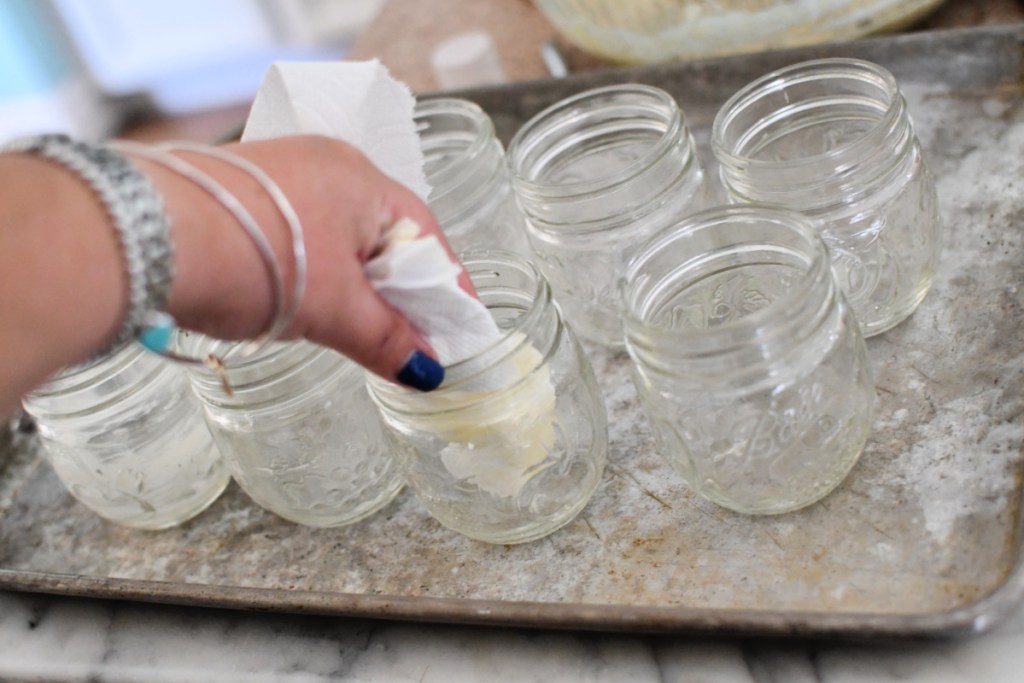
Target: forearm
(62, 288)
(64, 285)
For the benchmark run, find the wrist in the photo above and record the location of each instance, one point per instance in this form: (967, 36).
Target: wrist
(62, 280)
(221, 285)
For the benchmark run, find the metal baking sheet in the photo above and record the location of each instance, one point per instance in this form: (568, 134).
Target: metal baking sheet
(923, 538)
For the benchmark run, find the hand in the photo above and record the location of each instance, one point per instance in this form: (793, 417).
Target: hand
(345, 205)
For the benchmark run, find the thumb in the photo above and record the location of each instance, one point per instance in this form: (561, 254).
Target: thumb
(374, 334)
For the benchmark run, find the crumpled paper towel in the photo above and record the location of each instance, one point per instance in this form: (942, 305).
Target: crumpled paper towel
(358, 102)
(415, 275)
(498, 446)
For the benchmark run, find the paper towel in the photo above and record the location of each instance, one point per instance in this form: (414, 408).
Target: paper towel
(415, 275)
(358, 102)
(495, 445)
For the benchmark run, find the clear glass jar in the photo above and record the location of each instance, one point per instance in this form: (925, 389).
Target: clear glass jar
(514, 443)
(833, 139)
(749, 364)
(299, 431)
(596, 174)
(127, 438)
(464, 162)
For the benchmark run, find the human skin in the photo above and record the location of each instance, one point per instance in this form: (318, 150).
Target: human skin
(63, 285)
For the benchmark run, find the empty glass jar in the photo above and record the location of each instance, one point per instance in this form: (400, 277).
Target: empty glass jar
(514, 443)
(465, 166)
(299, 432)
(833, 139)
(749, 364)
(128, 440)
(596, 174)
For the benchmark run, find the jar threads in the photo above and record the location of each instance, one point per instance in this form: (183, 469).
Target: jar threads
(471, 195)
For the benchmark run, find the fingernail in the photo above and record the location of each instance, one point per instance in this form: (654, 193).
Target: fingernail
(421, 372)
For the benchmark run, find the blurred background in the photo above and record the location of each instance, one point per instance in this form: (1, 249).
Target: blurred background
(88, 67)
(189, 68)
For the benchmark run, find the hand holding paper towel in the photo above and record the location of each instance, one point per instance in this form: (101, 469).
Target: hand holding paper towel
(361, 104)
(415, 275)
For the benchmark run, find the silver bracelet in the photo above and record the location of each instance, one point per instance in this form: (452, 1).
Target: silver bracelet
(158, 332)
(284, 207)
(137, 214)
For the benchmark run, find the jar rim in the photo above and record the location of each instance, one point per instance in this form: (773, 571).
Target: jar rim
(241, 387)
(452, 174)
(730, 335)
(554, 114)
(91, 371)
(803, 72)
(477, 261)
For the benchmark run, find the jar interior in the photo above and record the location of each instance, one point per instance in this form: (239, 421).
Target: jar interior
(793, 117)
(510, 291)
(442, 148)
(451, 133)
(729, 276)
(595, 139)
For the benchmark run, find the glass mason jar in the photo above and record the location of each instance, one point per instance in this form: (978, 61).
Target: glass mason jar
(596, 174)
(465, 166)
(127, 438)
(833, 139)
(749, 364)
(299, 431)
(514, 443)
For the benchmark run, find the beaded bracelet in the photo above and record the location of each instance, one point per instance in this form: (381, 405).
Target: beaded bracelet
(137, 214)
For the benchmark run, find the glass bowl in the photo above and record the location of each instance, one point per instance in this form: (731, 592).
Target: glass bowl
(646, 31)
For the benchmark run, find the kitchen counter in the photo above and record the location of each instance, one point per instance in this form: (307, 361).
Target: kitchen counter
(64, 639)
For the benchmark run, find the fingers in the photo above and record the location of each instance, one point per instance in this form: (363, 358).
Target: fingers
(402, 203)
(363, 326)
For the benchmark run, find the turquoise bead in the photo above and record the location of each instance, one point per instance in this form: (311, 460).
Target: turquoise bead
(157, 335)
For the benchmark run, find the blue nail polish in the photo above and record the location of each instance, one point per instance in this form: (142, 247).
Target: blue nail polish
(421, 372)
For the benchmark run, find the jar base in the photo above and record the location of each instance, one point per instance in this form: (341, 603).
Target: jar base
(336, 520)
(895, 319)
(523, 534)
(165, 521)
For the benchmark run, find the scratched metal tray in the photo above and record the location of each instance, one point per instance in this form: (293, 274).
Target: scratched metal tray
(923, 538)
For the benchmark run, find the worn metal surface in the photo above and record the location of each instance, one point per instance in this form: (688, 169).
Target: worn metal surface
(924, 536)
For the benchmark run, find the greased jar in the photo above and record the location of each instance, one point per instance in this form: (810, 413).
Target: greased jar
(833, 139)
(596, 174)
(514, 443)
(749, 365)
(299, 432)
(465, 166)
(128, 440)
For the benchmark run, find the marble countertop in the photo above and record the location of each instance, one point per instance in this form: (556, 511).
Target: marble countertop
(47, 638)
